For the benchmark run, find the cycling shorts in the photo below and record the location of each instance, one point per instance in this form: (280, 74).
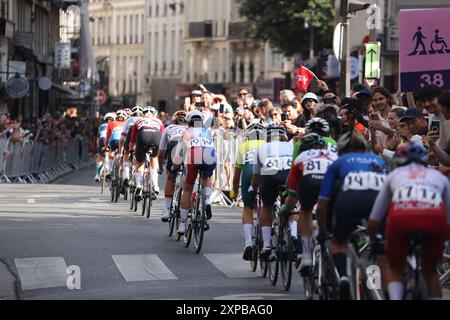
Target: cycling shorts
(246, 181)
(114, 145)
(101, 146)
(204, 161)
(350, 208)
(147, 139)
(126, 144)
(401, 224)
(308, 191)
(270, 186)
(169, 164)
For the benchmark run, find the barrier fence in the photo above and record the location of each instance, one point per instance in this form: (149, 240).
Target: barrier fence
(226, 144)
(39, 162)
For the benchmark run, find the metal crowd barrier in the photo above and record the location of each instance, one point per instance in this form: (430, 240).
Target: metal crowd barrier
(39, 162)
(226, 144)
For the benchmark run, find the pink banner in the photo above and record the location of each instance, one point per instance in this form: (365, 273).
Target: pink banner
(424, 40)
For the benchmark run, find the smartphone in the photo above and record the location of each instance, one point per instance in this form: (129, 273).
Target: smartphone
(435, 126)
(329, 100)
(283, 117)
(200, 104)
(187, 101)
(374, 116)
(221, 108)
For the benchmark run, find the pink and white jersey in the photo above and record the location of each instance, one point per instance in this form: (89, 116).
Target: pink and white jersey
(413, 188)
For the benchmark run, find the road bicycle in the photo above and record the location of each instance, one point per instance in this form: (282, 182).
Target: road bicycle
(273, 263)
(148, 193)
(115, 179)
(327, 274)
(415, 286)
(257, 239)
(174, 217)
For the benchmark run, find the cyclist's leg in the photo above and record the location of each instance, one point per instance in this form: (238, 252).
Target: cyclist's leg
(154, 172)
(208, 166)
(186, 197)
(247, 214)
(168, 194)
(269, 194)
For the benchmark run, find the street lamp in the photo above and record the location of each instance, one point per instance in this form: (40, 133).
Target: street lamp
(348, 7)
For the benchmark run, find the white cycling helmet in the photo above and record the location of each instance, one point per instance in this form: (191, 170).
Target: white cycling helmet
(110, 116)
(312, 96)
(318, 125)
(194, 114)
(121, 113)
(137, 109)
(151, 110)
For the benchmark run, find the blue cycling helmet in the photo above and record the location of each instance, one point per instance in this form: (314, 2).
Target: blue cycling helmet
(411, 152)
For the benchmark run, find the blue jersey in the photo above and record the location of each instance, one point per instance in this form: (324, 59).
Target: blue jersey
(356, 172)
(102, 130)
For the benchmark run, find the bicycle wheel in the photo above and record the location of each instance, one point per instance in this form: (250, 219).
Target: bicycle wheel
(199, 225)
(177, 222)
(113, 191)
(188, 234)
(144, 203)
(274, 267)
(131, 198)
(286, 251)
(255, 236)
(150, 194)
(263, 265)
(171, 220)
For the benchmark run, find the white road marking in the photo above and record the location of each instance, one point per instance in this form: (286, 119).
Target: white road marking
(232, 265)
(44, 272)
(31, 200)
(251, 296)
(145, 267)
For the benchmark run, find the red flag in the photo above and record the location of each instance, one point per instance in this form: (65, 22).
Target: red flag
(304, 78)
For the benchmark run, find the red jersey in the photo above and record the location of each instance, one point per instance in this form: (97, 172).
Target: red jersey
(146, 123)
(114, 130)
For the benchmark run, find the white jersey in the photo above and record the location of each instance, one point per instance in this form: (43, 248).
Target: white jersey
(413, 187)
(129, 124)
(173, 132)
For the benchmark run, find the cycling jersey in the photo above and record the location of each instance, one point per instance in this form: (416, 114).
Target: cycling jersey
(147, 124)
(273, 162)
(355, 171)
(360, 177)
(129, 124)
(114, 130)
(245, 158)
(417, 198)
(102, 130)
(331, 146)
(172, 133)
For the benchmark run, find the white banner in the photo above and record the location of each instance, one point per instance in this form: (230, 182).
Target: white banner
(62, 55)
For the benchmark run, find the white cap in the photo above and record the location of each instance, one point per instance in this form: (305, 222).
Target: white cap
(194, 113)
(312, 96)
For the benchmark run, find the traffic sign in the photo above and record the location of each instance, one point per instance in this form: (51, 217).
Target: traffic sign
(424, 49)
(101, 97)
(45, 83)
(372, 66)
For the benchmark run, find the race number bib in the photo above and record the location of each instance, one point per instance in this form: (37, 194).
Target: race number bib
(250, 156)
(316, 166)
(176, 134)
(117, 130)
(200, 142)
(360, 181)
(273, 165)
(103, 134)
(418, 193)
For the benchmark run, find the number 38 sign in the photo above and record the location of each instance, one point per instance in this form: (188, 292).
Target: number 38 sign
(424, 49)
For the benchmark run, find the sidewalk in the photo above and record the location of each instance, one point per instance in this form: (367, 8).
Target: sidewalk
(7, 291)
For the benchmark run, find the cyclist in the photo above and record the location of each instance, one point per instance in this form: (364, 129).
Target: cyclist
(145, 136)
(360, 175)
(304, 182)
(170, 137)
(270, 171)
(101, 138)
(137, 113)
(322, 128)
(245, 159)
(197, 152)
(415, 198)
(113, 137)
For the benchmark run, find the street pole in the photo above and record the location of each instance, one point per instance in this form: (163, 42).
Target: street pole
(344, 82)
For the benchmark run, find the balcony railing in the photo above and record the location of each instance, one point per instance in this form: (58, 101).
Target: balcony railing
(237, 30)
(203, 29)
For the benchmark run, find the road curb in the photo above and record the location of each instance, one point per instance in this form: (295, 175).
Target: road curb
(7, 283)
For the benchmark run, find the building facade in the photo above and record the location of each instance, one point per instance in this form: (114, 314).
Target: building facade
(29, 30)
(216, 52)
(117, 29)
(164, 33)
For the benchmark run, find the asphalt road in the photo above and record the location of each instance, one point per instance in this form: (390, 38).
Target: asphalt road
(115, 254)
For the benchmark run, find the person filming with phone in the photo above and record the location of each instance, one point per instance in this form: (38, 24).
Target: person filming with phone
(292, 121)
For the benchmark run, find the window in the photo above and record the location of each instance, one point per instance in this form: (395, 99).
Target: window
(125, 29)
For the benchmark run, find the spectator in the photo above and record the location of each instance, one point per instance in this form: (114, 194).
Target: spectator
(263, 112)
(275, 115)
(308, 103)
(294, 121)
(382, 102)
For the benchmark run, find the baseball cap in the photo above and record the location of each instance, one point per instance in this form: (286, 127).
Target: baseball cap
(413, 113)
(364, 93)
(196, 93)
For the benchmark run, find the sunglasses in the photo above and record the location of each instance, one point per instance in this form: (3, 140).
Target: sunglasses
(242, 94)
(274, 114)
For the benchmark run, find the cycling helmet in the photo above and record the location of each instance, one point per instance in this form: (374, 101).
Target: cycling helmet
(121, 113)
(194, 115)
(351, 141)
(255, 131)
(312, 141)
(151, 110)
(276, 131)
(411, 152)
(137, 110)
(110, 116)
(128, 111)
(311, 96)
(319, 126)
(179, 117)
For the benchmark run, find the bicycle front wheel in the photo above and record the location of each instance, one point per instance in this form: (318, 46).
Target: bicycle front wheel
(286, 250)
(199, 227)
(188, 234)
